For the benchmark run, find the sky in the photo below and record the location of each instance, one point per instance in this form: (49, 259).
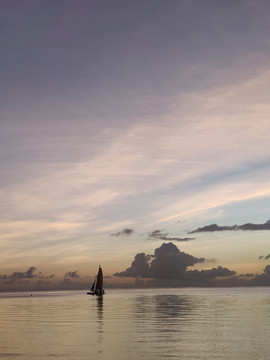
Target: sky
(127, 128)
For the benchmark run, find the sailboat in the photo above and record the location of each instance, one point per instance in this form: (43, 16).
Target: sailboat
(97, 287)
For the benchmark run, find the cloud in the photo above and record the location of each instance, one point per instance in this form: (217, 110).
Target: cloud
(67, 284)
(157, 234)
(262, 279)
(167, 262)
(262, 257)
(139, 267)
(170, 267)
(247, 226)
(32, 279)
(41, 283)
(31, 273)
(170, 262)
(246, 275)
(213, 273)
(72, 274)
(124, 232)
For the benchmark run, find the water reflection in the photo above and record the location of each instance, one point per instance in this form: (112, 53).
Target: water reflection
(161, 323)
(172, 306)
(100, 323)
(99, 305)
(163, 306)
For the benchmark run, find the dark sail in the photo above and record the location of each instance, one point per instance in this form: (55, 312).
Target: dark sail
(99, 285)
(93, 286)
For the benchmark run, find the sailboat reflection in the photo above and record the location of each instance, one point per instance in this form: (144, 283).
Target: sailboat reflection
(100, 307)
(99, 319)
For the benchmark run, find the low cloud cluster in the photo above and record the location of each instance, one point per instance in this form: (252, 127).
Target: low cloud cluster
(158, 234)
(244, 227)
(31, 273)
(72, 274)
(33, 279)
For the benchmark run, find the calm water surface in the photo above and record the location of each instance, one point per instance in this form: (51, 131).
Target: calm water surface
(231, 323)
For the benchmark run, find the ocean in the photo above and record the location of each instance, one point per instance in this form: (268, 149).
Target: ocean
(192, 323)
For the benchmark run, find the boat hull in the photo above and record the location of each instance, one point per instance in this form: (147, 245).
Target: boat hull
(92, 293)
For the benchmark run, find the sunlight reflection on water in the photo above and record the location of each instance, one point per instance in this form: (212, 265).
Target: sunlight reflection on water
(137, 324)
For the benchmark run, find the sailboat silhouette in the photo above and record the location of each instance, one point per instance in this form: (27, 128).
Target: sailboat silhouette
(97, 287)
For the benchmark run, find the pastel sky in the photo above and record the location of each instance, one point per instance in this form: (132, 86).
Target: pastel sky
(126, 124)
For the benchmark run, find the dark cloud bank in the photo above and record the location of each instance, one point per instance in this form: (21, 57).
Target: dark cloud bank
(171, 267)
(244, 227)
(167, 267)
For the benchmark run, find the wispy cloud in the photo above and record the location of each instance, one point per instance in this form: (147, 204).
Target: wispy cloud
(76, 168)
(264, 257)
(244, 227)
(124, 232)
(159, 235)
